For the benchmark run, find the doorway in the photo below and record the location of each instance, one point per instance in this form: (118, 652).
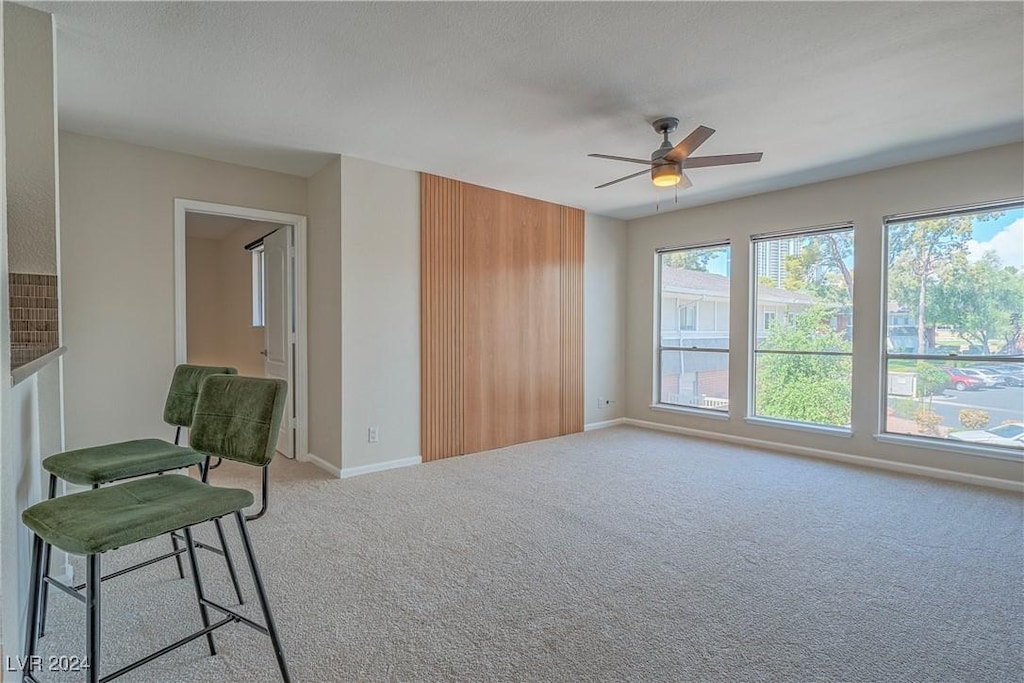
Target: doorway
(240, 300)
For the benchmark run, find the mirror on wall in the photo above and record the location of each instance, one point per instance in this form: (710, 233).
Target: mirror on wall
(31, 177)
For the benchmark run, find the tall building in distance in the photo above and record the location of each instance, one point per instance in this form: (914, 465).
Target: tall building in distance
(771, 257)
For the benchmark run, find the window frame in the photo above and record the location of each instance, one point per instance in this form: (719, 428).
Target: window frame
(259, 287)
(656, 402)
(753, 351)
(885, 355)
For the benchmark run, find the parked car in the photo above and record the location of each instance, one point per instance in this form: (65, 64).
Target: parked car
(989, 378)
(1010, 434)
(1013, 375)
(961, 382)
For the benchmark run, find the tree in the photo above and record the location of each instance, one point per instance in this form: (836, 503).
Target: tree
(918, 252)
(978, 300)
(691, 259)
(807, 388)
(820, 268)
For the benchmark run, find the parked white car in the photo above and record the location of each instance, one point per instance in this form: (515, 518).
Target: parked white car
(1010, 434)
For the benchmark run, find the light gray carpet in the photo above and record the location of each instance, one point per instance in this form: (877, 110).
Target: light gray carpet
(613, 555)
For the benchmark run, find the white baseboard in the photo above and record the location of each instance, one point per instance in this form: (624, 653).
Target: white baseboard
(906, 468)
(604, 423)
(322, 464)
(347, 472)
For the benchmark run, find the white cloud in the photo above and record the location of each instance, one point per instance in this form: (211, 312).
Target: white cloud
(1008, 244)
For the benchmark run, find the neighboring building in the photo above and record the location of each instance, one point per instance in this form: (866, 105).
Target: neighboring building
(695, 312)
(771, 257)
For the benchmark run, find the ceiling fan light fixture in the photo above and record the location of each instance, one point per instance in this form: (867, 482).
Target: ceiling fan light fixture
(667, 175)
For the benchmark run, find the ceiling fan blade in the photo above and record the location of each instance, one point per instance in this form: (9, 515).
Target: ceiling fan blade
(630, 159)
(626, 177)
(722, 160)
(684, 181)
(690, 143)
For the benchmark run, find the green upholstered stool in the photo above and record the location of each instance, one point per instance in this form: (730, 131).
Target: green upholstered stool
(114, 462)
(235, 417)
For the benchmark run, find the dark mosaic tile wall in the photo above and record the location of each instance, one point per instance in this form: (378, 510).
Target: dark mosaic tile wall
(33, 311)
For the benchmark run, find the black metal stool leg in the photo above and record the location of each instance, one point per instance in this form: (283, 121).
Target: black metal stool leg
(32, 625)
(198, 582)
(93, 598)
(261, 592)
(230, 562)
(265, 495)
(45, 588)
(177, 558)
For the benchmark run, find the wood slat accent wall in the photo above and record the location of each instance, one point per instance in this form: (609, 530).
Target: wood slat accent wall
(441, 316)
(502, 318)
(572, 320)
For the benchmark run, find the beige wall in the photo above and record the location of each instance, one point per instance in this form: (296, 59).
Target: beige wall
(991, 174)
(219, 295)
(117, 204)
(324, 313)
(30, 127)
(604, 298)
(204, 300)
(241, 343)
(380, 219)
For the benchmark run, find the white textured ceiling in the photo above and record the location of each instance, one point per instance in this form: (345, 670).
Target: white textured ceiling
(514, 95)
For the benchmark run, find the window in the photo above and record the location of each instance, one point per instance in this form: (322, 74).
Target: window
(688, 317)
(693, 344)
(258, 287)
(954, 326)
(803, 331)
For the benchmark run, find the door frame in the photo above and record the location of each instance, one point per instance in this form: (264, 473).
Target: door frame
(298, 223)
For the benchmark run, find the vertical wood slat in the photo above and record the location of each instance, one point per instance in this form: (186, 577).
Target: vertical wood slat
(441, 294)
(572, 233)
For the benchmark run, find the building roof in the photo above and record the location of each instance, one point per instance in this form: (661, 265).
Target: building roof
(712, 285)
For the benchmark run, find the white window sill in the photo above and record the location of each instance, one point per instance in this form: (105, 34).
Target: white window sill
(684, 410)
(841, 432)
(958, 447)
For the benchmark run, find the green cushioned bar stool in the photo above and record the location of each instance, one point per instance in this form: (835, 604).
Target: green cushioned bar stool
(98, 465)
(235, 417)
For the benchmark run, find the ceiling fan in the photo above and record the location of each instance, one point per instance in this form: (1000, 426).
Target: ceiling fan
(667, 162)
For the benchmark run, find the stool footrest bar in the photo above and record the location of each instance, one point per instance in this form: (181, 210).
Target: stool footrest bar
(70, 590)
(245, 620)
(173, 646)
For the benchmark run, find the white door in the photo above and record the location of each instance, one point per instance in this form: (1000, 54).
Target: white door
(278, 274)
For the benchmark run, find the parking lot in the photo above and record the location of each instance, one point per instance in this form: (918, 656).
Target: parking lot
(1001, 403)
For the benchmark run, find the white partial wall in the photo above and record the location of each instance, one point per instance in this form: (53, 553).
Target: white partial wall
(324, 315)
(986, 175)
(31, 424)
(380, 256)
(604, 299)
(117, 204)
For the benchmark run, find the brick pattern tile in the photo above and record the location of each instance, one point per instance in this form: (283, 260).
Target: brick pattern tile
(33, 310)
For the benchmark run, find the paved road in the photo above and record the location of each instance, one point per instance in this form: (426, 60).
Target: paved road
(1001, 403)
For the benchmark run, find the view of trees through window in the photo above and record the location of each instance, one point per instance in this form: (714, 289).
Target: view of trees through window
(954, 327)
(693, 352)
(803, 327)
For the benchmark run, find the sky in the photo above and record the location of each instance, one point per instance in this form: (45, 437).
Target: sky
(1004, 235)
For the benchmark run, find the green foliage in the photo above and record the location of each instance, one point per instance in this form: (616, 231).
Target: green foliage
(820, 268)
(920, 254)
(978, 300)
(972, 418)
(904, 408)
(930, 380)
(804, 388)
(691, 259)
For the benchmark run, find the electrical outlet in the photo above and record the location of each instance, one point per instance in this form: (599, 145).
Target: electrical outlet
(373, 434)
(604, 402)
